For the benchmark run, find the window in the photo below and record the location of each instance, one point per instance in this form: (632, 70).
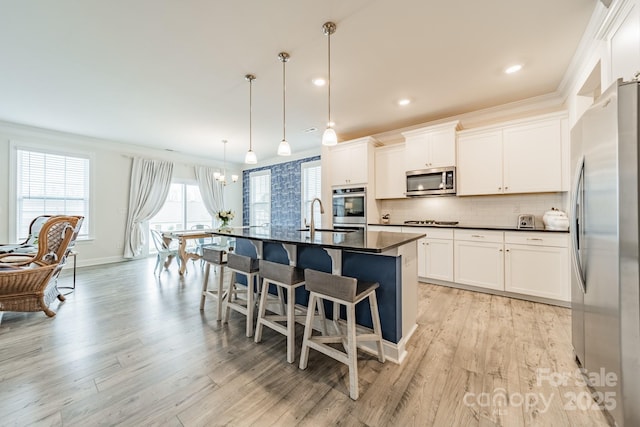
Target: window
(260, 197)
(311, 188)
(182, 210)
(49, 183)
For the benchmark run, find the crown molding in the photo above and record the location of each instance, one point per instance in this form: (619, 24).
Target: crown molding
(600, 25)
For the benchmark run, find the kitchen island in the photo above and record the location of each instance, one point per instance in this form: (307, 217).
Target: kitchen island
(387, 258)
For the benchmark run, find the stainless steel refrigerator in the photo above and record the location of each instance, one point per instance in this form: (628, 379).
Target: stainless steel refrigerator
(605, 288)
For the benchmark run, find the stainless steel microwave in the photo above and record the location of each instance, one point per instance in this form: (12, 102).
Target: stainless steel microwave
(432, 182)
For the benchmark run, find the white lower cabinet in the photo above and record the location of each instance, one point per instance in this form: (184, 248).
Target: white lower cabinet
(387, 228)
(479, 259)
(435, 254)
(438, 255)
(537, 264)
(528, 263)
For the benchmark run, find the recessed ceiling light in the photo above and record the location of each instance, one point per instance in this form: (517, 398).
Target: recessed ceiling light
(311, 129)
(404, 101)
(513, 69)
(319, 81)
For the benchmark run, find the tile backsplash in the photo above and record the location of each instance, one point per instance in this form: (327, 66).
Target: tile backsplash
(498, 210)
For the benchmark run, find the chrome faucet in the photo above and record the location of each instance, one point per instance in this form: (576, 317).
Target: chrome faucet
(312, 226)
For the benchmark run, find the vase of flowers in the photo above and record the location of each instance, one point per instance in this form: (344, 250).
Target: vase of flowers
(225, 217)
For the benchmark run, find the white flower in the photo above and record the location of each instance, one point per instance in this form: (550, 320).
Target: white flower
(225, 215)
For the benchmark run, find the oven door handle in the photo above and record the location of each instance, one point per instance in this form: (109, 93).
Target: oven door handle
(344, 196)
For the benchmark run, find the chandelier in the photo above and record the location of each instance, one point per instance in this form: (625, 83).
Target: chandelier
(222, 177)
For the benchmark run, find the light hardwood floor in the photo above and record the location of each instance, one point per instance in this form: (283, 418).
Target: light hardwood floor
(132, 349)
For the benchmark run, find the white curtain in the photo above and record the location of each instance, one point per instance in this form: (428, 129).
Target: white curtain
(150, 184)
(211, 190)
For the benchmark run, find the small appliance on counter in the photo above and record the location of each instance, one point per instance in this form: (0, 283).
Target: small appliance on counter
(526, 222)
(555, 220)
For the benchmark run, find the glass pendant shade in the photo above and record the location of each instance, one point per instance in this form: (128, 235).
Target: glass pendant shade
(329, 137)
(284, 149)
(234, 178)
(250, 158)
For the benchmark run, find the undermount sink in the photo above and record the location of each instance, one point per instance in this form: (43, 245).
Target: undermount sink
(328, 230)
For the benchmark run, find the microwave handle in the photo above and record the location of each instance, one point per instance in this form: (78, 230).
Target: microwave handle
(443, 182)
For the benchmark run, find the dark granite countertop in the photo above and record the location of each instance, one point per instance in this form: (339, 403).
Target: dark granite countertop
(370, 241)
(476, 227)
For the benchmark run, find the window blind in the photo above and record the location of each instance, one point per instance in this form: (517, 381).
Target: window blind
(51, 184)
(311, 188)
(260, 197)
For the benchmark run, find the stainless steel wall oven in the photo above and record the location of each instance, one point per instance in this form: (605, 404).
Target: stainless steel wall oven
(350, 207)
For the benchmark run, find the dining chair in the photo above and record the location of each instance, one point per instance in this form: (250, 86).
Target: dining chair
(202, 241)
(165, 252)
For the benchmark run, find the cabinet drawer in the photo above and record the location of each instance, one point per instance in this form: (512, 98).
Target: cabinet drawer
(560, 240)
(434, 233)
(488, 236)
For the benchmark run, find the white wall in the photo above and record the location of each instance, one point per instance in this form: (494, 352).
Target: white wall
(111, 171)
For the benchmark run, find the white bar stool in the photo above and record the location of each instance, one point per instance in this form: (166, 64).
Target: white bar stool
(285, 277)
(216, 256)
(346, 291)
(248, 267)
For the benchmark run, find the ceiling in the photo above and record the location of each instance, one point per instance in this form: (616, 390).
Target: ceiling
(170, 74)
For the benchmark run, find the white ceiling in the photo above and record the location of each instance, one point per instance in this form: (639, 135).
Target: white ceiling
(170, 74)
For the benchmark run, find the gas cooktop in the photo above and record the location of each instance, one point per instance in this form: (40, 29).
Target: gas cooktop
(431, 222)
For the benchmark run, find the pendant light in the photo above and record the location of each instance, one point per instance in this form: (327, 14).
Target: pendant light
(222, 177)
(329, 136)
(284, 149)
(250, 158)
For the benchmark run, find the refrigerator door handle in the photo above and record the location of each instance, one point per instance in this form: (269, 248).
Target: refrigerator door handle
(576, 229)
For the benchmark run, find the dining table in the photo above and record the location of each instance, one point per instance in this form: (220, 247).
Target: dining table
(183, 237)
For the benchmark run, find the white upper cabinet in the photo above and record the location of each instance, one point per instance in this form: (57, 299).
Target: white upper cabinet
(431, 147)
(390, 172)
(528, 156)
(625, 44)
(533, 157)
(479, 163)
(350, 162)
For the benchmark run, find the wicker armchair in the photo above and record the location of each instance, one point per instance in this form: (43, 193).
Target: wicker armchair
(28, 283)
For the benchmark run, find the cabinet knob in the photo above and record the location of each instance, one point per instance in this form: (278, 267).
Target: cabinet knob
(499, 250)
(506, 188)
(507, 250)
(499, 188)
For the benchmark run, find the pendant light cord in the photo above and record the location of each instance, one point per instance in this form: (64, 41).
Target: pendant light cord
(284, 91)
(250, 110)
(329, 75)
